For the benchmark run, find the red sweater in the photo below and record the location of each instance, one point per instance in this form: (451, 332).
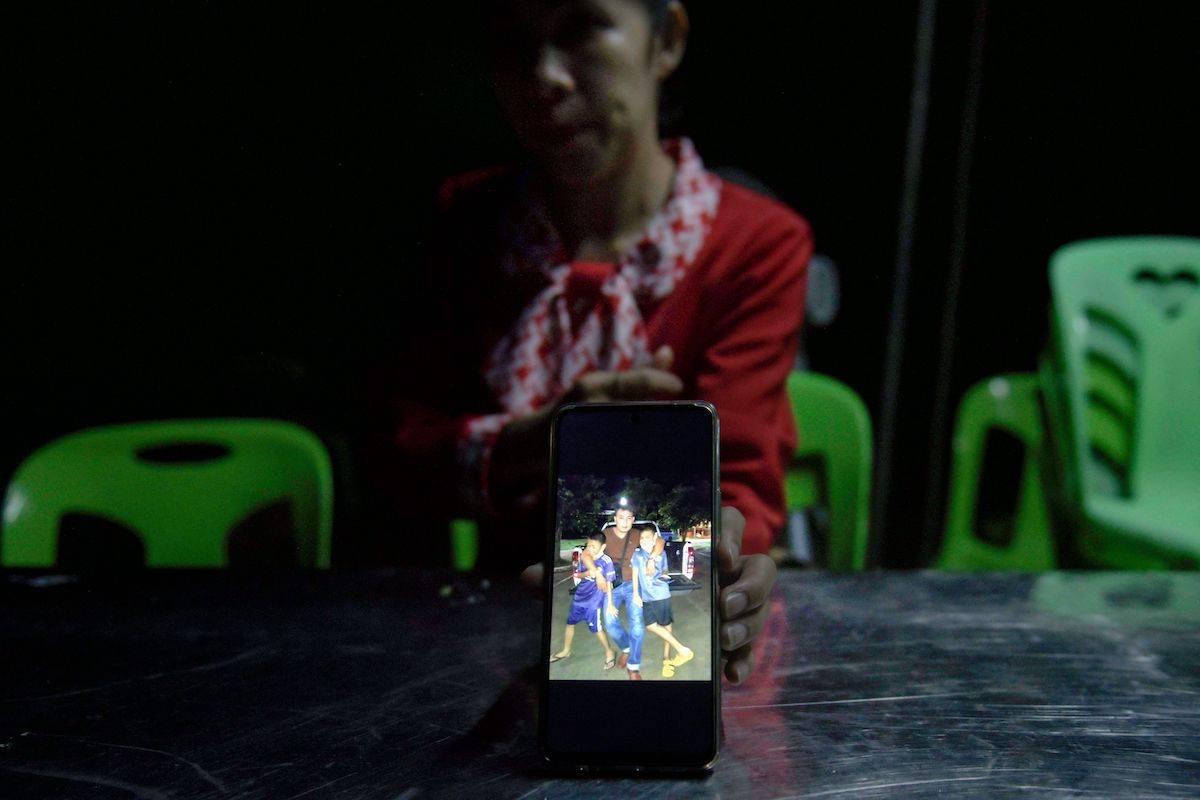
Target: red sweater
(733, 323)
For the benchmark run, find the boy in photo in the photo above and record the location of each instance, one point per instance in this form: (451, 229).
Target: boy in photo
(652, 592)
(596, 573)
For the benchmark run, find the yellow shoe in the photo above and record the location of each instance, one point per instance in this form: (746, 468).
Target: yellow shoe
(683, 658)
(668, 669)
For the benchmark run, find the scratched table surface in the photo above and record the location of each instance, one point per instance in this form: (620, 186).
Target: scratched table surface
(374, 685)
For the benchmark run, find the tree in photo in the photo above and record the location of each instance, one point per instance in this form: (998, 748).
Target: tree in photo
(677, 509)
(581, 503)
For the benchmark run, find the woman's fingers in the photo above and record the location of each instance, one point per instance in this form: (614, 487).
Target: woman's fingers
(729, 548)
(739, 664)
(645, 383)
(592, 387)
(531, 577)
(635, 384)
(742, 631)
(751, 589)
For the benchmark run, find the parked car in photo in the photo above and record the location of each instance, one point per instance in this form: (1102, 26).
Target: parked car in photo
(681, 556)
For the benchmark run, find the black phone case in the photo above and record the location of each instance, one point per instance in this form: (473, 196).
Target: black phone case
(550, 759)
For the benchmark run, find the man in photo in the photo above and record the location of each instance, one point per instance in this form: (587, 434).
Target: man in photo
(596, 573)
(652, 592)
(621, 547)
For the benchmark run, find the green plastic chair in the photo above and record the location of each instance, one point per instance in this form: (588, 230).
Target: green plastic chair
(1125, 364)
(464, 544)
(180, 485)
(1008, 403)
(832, 464)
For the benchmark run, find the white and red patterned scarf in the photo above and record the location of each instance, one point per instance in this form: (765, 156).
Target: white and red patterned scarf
(588, 317)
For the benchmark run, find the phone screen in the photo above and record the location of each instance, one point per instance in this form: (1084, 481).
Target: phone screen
(631, 669)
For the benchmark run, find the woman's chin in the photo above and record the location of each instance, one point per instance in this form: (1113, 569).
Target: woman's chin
(577, 167)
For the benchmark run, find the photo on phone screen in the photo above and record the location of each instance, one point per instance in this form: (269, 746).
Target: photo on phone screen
(635, 560)
(629, 621)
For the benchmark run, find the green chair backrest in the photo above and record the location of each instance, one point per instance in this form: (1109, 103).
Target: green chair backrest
(180, 485)
(832, 463)
(1127, 352)
(464, 544)
(1006, 403)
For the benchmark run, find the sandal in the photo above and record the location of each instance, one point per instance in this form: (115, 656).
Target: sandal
(557, 657)
(668, 669)
(682, 659)
(609, 663)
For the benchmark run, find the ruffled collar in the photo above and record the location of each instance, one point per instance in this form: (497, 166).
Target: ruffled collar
(657, 260)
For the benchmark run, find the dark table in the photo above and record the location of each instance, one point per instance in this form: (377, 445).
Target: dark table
(372, 685)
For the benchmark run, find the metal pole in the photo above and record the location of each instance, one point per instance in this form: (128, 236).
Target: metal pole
(913, 157)
(940, 423)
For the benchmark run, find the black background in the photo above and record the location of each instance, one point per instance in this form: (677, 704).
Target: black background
(218, 209)
(669, 444)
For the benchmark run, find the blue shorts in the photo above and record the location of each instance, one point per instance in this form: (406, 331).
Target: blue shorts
(657, 611)
(589, 612)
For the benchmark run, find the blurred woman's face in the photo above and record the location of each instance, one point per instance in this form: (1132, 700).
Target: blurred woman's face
(578, 83)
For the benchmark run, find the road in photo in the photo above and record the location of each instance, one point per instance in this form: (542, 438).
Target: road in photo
(691, 610)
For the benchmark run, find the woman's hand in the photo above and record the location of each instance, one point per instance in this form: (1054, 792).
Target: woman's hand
(520, 459)
(746, 584)
(641, 383)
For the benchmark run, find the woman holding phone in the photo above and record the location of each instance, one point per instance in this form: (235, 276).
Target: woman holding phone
(611, 265)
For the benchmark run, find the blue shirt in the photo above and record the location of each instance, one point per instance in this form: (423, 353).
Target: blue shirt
(656, 586)
(588, 593)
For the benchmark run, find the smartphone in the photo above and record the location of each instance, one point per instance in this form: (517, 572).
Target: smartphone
(630, 675)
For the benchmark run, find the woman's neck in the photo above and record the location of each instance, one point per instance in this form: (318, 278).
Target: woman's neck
(597, 221)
